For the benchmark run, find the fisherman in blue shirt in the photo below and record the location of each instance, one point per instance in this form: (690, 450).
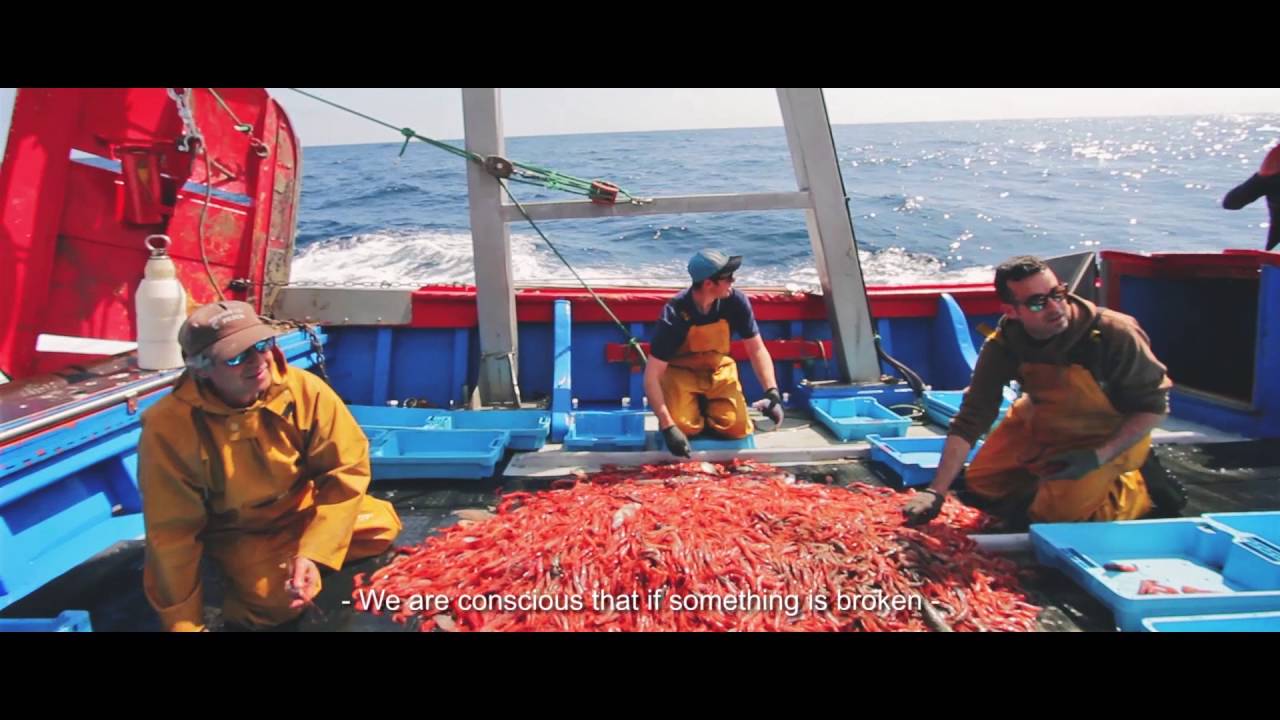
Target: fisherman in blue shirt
(691, 380)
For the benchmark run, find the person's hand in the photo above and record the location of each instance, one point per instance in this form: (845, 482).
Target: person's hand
(923, 507)
(1070, 465)
(771, 406)
(677, 443)
(303, 583)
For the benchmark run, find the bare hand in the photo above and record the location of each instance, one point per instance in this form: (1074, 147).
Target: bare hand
(303, 583)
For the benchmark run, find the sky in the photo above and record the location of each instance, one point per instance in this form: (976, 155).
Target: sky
(437, 112)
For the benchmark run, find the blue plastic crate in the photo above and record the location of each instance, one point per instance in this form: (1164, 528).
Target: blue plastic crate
(67, 621)
(943, 405)
(855, 418)
(1241, 572)
(1240, 622)
(605, 431)
(896, 394)
(915, 460)
(1265, 525)
(398, 417)
(655, 441)
(528, 428)
(702, 442)
(410, 454)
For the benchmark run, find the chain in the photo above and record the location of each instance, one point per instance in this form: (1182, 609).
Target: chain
(191, 134)
(376, 284)
(190, 131)
(317, 352)
(317, 348)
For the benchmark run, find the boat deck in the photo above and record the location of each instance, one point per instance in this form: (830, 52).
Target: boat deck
(1222, 473)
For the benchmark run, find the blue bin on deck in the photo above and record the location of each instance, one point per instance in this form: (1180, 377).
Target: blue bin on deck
(605, 431)
(854, 418)
(398, 417)
(943, 405)
(1265, 525)
(411, 454)
(528, 428)
(1241, 622)
(1216, 570)
(704, 442)
(67, 621)
(915, 460)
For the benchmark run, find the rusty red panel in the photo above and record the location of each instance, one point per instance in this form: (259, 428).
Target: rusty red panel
(263, 194)
(114, 117)
(91, 216)
(75, 265)
(32, 185)
(285, 189)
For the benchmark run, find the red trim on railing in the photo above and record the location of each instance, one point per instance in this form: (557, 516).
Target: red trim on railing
(452, 306)
(779, 350)
(1239, 264)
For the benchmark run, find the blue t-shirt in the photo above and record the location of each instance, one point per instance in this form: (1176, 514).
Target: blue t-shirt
(681, 313)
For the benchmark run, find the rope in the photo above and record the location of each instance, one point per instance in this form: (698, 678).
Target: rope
(240, 126)
(204, 210)
(191, 134)
(635, 344)
(520, 172)
(408, 133)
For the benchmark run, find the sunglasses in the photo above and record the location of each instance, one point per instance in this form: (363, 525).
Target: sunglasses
(259, 347)
(1036, 303)
(723, 278)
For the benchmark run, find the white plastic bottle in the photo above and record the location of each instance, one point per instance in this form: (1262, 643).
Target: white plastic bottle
(161, 304)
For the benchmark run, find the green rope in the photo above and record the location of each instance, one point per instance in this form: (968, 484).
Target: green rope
(408, 133)
(522, 173)
(528, 174)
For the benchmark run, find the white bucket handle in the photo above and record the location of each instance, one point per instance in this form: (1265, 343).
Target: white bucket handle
(158, 244)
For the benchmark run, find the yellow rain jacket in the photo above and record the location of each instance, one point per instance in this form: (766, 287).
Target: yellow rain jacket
(253, 488)
(1078, 387)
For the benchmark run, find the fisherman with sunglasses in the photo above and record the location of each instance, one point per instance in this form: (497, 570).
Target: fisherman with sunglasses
(1075, 446)
(257, 466)
(691, 380)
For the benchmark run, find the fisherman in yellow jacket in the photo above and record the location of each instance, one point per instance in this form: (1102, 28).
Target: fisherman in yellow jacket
(1075, 447)
(258, 466)
(691, 379)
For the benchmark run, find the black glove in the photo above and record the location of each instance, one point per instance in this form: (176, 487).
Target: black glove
(771, 406)
(924, 507)
(1070, 465)
(677, 443)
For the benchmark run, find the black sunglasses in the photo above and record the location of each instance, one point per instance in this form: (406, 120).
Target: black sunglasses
(1037, 302)
(722, 278)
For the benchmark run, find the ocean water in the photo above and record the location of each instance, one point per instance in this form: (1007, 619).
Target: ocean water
(930, 201)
